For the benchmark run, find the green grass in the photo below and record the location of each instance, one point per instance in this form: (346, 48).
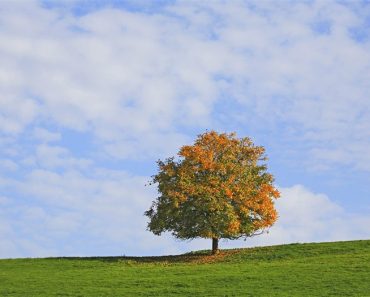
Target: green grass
(315, 269)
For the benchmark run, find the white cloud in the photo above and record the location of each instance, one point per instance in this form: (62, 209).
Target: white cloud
(138, 82)
(106, 209)
(15, 113)
(45, 135)
(48, 156)
(125, 75)
(14, 243)
(8, 165)
(305, 216)
(8, 146)
(121, 77)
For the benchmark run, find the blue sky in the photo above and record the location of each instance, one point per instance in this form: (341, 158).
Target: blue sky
(94, 92)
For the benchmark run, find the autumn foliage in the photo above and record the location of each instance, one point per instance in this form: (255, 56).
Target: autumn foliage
(219, 187)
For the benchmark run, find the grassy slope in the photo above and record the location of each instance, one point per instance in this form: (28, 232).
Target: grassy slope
(324, 269)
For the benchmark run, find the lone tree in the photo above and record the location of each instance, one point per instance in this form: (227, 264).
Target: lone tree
(219, 187)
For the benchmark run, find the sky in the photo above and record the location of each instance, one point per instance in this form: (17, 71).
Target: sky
(93, 93)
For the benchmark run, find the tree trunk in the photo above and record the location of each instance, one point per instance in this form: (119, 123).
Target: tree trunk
(215, 246)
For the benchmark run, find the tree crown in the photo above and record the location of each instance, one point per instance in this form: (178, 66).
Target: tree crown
(219, 187)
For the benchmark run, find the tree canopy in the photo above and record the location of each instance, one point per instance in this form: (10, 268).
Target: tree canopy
(218, 187)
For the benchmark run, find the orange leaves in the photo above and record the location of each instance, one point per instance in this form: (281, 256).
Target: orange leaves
(217, 188)
(186, 151)
(228, 193)
(261, 206)
(203, 158)
(178, 197)
(234, 226)
(267, 190)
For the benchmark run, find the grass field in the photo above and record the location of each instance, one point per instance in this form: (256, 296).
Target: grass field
(315, 269)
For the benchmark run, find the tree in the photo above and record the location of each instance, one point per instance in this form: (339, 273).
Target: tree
(219, 187)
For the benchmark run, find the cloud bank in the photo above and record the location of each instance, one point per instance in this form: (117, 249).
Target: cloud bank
(92, 96)
(78, 216)
(123, 75)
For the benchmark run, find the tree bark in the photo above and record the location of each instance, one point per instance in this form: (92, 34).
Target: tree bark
(215, 246)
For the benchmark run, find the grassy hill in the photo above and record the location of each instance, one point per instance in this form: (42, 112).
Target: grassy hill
(314, 269)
